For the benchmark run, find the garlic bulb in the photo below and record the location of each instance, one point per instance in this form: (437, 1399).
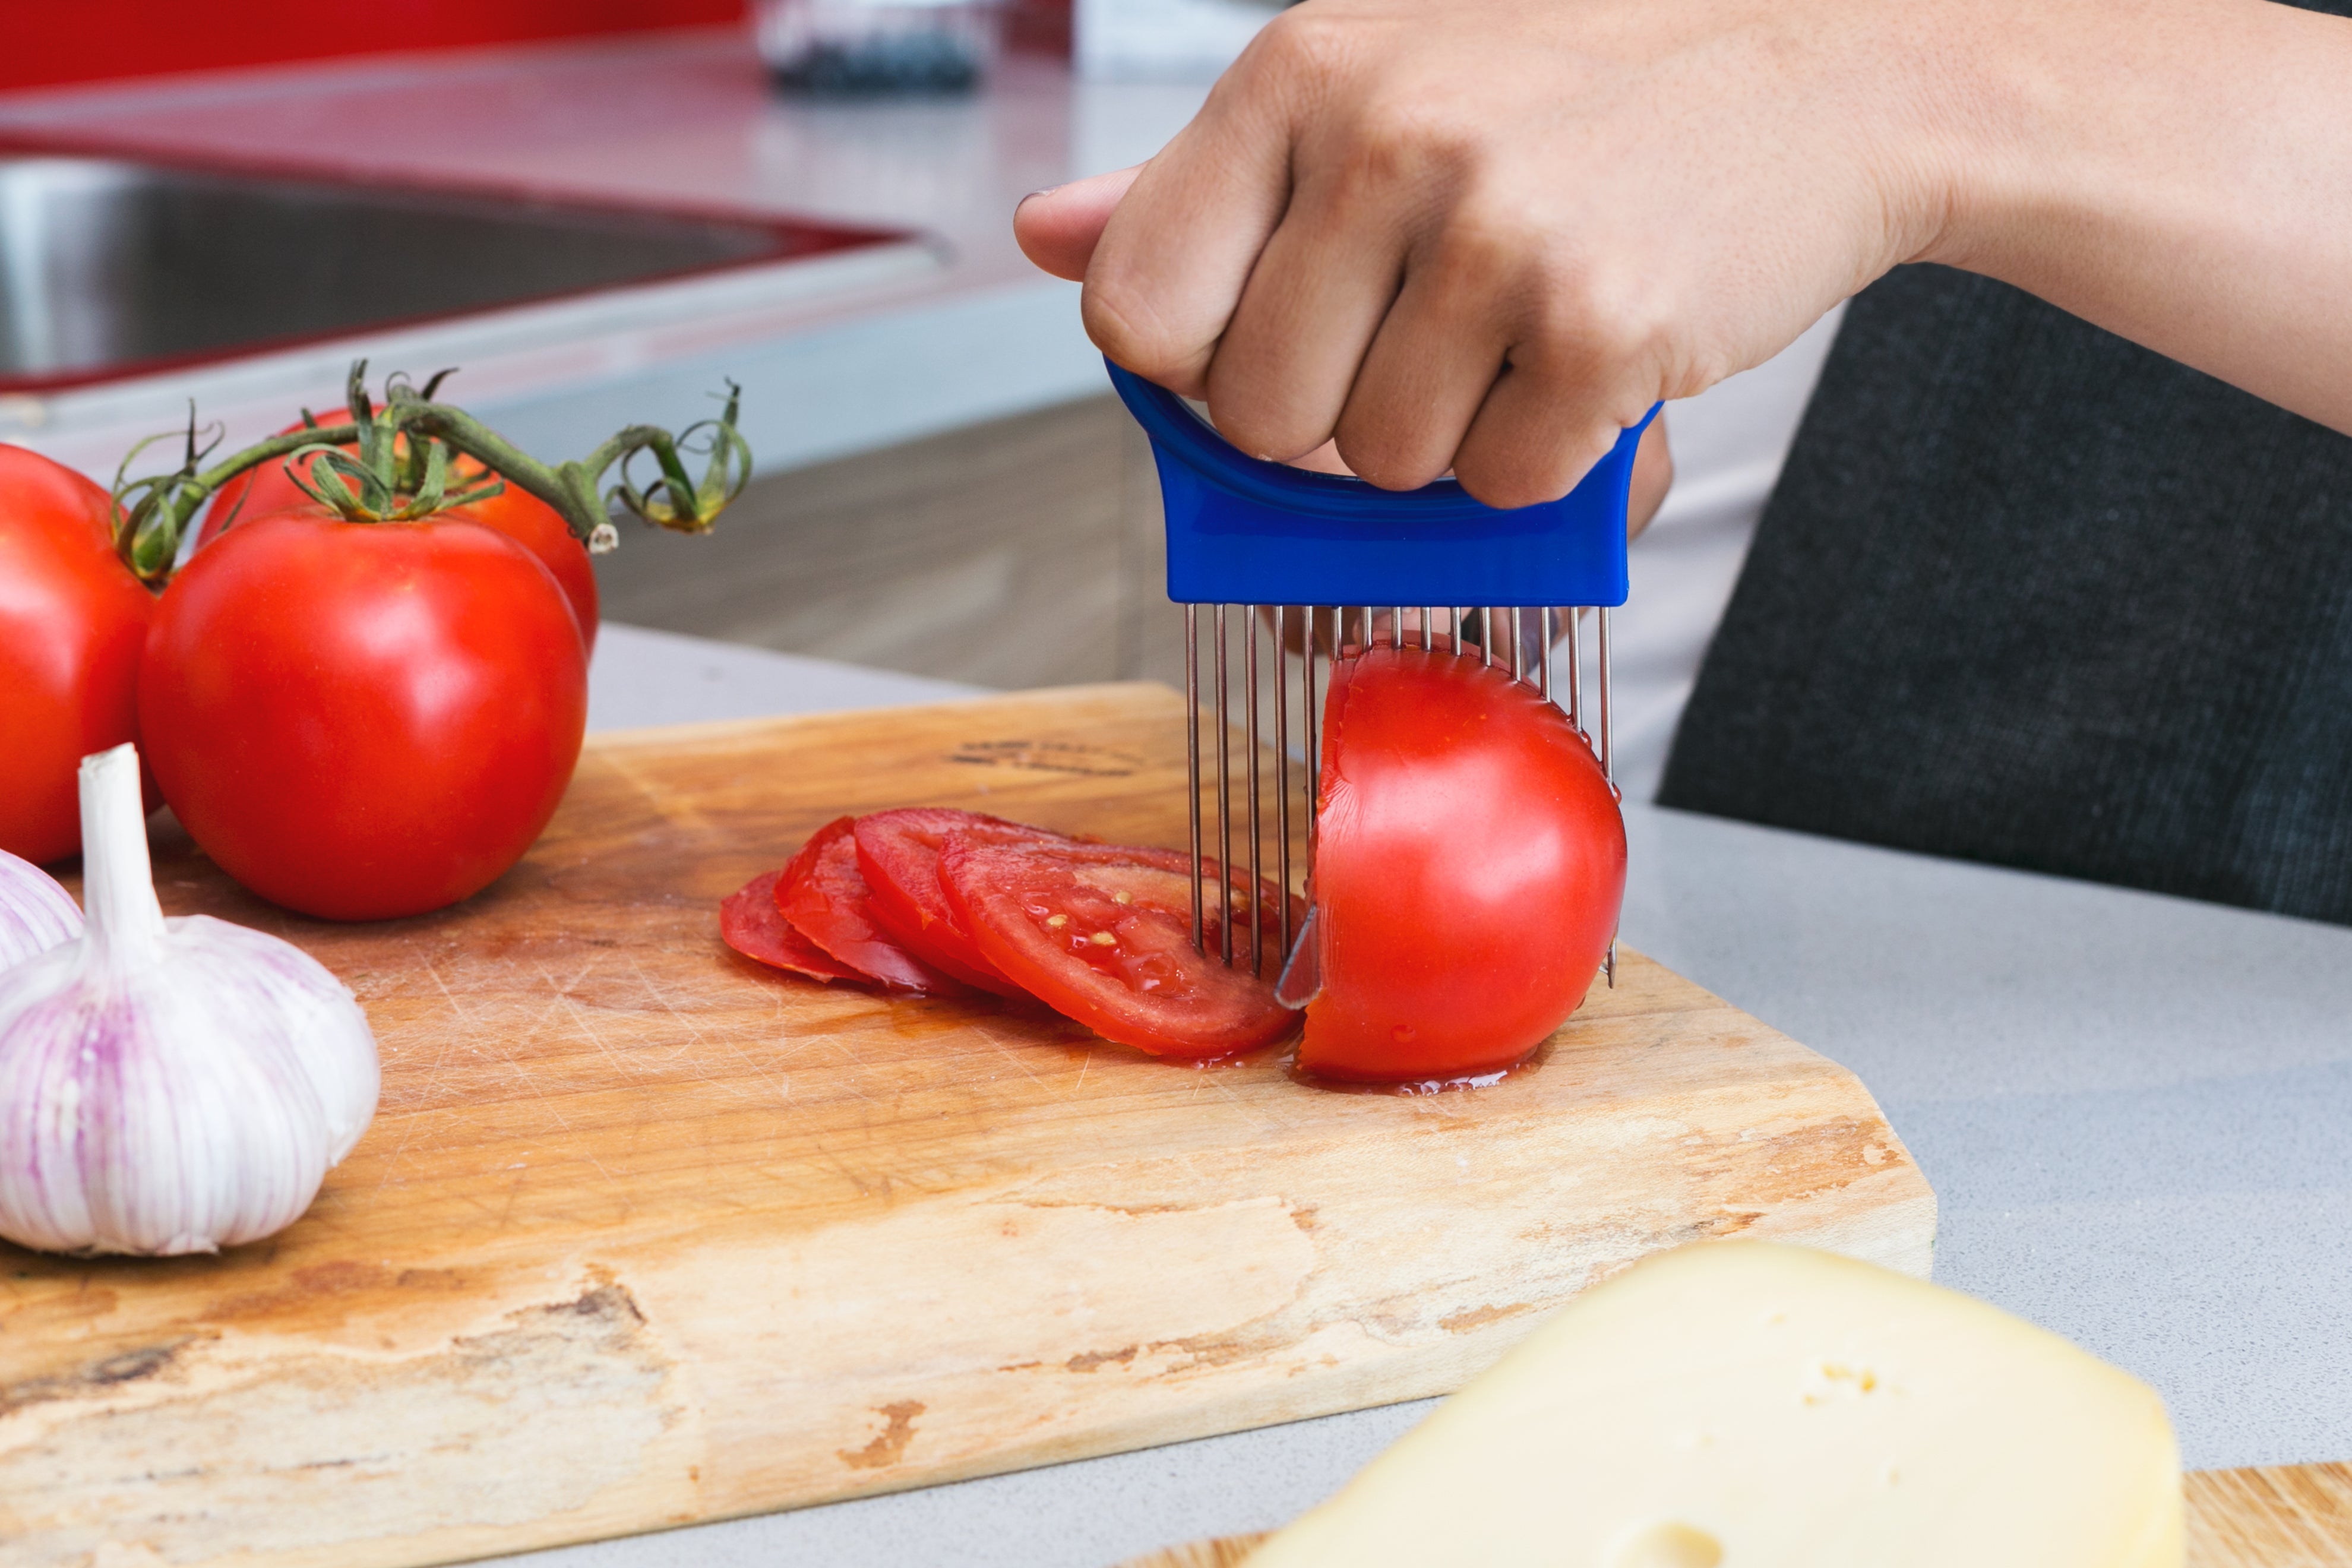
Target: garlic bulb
(35, 914)
(168, 1085)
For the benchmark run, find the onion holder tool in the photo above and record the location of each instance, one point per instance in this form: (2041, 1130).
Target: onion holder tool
(1323, 562)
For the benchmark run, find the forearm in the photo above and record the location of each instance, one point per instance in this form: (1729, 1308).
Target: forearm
(1488, 233)
(2178, 172)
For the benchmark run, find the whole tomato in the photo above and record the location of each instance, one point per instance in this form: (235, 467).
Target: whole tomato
(1469, 868)
(363, 719)
(513, 511)
(72, 622)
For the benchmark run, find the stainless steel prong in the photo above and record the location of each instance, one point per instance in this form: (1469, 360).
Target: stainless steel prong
(1192, 750)
(1282, 762)
(1396, 625)
(1249, 706)
(1575, 668)
(1518, 648)
(1428, 629)
(1225, 797)
(1486, 634)
(1543, 657)
(1311, 718)
(1608, 755)
(1608, 738)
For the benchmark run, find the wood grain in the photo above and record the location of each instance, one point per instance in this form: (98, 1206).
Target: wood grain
(645, 1233)
(2290, 1516)
(2286, 1516)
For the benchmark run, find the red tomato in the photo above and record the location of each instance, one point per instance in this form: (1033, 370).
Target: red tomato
(1103, 933)
(72, 622)
(1469, 866)
(899, 852)
(515, 512)
(826, 898)
(751, 923)
(359, 720)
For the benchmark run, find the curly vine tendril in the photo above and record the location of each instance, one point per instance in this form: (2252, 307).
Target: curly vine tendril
(403, 471)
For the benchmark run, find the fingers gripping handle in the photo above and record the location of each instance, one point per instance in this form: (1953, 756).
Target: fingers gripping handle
(1244, 531)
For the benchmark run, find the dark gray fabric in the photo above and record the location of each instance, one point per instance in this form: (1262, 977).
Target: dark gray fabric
(2029, 594)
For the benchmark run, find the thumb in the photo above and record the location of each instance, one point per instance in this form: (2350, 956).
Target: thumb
(1057, 229)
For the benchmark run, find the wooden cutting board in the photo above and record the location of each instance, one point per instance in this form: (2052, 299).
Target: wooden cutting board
(2288, 1516)
(645, 1233)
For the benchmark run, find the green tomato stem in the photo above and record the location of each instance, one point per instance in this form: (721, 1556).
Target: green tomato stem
(392, 482)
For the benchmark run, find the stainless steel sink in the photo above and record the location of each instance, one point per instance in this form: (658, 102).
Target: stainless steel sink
(110, 266)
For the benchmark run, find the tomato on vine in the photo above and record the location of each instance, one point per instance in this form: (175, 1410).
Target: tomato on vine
(369, 704)
(513, 511)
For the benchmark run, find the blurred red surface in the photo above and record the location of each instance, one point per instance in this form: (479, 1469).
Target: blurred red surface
(53, 42)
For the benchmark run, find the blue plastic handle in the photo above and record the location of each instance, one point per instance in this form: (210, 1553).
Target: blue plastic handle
(1241, 530)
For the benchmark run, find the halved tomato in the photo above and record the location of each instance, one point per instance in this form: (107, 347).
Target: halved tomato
(898, 851)
(751, 923)
(1469, 866)
(1103, 933)
(824, 895)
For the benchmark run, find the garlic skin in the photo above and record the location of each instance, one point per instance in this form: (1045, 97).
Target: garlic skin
(35, 914)
(173, 1086)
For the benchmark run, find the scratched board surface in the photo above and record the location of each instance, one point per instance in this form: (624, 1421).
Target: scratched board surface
(645, 1234)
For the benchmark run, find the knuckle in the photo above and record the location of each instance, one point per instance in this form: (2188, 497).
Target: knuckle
(1603, 322)
(1307, 47)
(1404, 151)
(1479, 257)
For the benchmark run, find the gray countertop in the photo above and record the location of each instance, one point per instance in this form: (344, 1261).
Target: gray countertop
(2137, 1112)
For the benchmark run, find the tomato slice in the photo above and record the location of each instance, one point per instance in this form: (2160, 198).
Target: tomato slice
(824, 895)
(1103, 934)
(752, 925)
(898, 851)
(1469, 866)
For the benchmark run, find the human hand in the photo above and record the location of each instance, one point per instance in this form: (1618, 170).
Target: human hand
(1653, 475)
(1486, 237)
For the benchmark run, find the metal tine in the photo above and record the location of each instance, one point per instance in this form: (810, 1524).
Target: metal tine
(1396, 625)
(1543, 674)
(1282, 763)
(1608, 758)
(1608, 748)
(1518, 648)
(1193, 751)
(1428, 626)
(1575, 668)
(1225, 797)
(1486, 633)
(1249, 705)
(1311, 717)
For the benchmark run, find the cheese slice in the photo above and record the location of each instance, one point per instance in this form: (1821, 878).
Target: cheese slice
(1746, 1404)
